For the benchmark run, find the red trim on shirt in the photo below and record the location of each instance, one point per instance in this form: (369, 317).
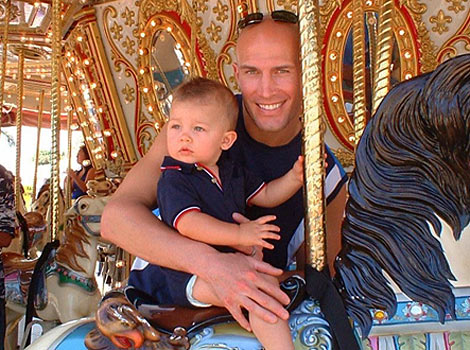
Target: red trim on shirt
(170, 167)
(181, 213)
(209, 171)
(253, 195)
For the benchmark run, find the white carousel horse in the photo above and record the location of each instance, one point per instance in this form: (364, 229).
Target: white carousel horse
(70, 287)
(42, 205)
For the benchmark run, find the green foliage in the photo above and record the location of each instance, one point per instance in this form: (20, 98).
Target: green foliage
(45, 157)
(412, 342)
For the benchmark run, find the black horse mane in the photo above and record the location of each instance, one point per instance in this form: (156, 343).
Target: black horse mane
(412, 163)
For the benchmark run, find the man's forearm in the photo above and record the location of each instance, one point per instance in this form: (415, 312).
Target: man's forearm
(134, 228)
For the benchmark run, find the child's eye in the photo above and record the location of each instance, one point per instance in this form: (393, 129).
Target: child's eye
(198, 128)
(175, 126)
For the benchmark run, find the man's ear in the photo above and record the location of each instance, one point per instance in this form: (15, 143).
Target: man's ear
(228, 140)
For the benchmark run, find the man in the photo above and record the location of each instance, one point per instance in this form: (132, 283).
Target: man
(7, 231)
(268, 73)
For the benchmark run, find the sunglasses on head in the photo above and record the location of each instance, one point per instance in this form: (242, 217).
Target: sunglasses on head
(278, 16)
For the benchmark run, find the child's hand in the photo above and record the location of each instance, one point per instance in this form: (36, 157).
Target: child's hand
(254, 233)
(298, 169)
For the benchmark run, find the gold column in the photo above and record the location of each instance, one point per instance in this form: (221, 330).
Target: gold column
(19, 117)
(383, 58)
(359, 72)
(4, 57)
(313, 133)
(38, 142)
(55, 114)
(68, 187)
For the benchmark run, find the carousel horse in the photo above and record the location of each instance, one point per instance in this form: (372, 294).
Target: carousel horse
(42, 206)
(412, 174)
(412, 171)
(68, 289)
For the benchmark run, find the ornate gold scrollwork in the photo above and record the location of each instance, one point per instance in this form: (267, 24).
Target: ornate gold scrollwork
(168, 19)
(335, 41)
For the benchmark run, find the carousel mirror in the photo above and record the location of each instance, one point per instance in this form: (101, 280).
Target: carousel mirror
(167, 66)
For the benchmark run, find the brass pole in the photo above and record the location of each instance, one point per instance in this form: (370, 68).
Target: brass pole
(55, 114)
(193, 70)
(68, 187)
(383, 57)
(4, 58)
(371, 22)
(19, 117)
(312, 133)
(38, 142)
(359, 72)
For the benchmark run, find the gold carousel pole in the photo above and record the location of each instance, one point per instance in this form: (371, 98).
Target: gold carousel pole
(193, 71)
(38, 142)
(4, 57)
(383, 57)
(19, 117)
(359, 73)
(309, 14)
(55, 114)
(68, 200)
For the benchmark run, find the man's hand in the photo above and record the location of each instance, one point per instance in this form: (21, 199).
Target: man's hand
(254, 233)
(240, 282)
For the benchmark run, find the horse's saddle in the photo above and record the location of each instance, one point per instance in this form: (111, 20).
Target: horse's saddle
(18, 274)
(118, 320)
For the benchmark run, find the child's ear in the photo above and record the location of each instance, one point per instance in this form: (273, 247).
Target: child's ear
(228, 140)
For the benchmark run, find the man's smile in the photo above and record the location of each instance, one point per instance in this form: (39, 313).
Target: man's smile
(269, 107)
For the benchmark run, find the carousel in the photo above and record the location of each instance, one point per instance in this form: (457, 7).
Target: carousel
(386, 85)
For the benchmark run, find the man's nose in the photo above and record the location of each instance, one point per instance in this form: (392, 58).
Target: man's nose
(267, 85)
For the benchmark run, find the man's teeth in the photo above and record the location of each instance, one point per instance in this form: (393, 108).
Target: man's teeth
(270, 107)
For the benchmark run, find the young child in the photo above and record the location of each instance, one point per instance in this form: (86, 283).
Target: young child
(200, 189)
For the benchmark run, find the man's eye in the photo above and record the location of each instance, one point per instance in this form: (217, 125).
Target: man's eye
(251, 72)
(282, 71)
(198, 128)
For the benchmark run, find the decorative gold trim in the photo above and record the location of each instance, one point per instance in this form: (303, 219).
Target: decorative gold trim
(462, 35)
(55, 114)
(383, 57)
(359, 71)
(19, 118)
(95, 95)
(428, 50)
(152, 17)
(312, 134)
(335, 44)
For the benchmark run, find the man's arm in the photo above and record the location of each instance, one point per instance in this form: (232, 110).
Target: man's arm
(127, 221)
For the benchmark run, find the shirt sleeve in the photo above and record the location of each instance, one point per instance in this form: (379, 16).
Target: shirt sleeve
(335, 176)
(253, 185)
(7, 206)
(176, 196)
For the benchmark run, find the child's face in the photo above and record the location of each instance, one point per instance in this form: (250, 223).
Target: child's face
(198, 132)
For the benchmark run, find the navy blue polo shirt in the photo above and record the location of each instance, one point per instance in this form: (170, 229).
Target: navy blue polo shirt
(270, 163)
(184, 187)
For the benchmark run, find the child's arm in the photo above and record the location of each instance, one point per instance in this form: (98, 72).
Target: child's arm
(281, 189)
(204, 228)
